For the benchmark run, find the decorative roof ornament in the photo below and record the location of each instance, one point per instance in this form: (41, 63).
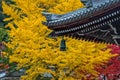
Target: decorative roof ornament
(87, 3)
(99, 21)
(63, 44)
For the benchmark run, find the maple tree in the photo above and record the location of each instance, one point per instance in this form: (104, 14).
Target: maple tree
(111, 69)
(33, 50)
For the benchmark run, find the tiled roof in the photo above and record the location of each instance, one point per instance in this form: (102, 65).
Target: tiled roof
(101, 18)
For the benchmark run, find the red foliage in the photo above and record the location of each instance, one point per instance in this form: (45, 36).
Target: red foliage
(112, 68)
(115, 49)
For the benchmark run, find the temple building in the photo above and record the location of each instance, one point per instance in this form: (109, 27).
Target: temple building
(98, 21)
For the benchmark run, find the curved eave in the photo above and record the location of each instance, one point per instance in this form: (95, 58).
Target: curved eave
(91, 23)
(104, 34)
(81, 14)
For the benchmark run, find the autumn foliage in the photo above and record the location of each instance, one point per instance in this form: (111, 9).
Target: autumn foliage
(33, 50)
(111, 69)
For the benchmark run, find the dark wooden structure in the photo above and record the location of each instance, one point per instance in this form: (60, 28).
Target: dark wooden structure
(99, 21)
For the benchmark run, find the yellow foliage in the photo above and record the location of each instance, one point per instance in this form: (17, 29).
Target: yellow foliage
(33, 49)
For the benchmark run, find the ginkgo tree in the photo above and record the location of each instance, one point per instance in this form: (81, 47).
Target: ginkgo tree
(39, 54)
